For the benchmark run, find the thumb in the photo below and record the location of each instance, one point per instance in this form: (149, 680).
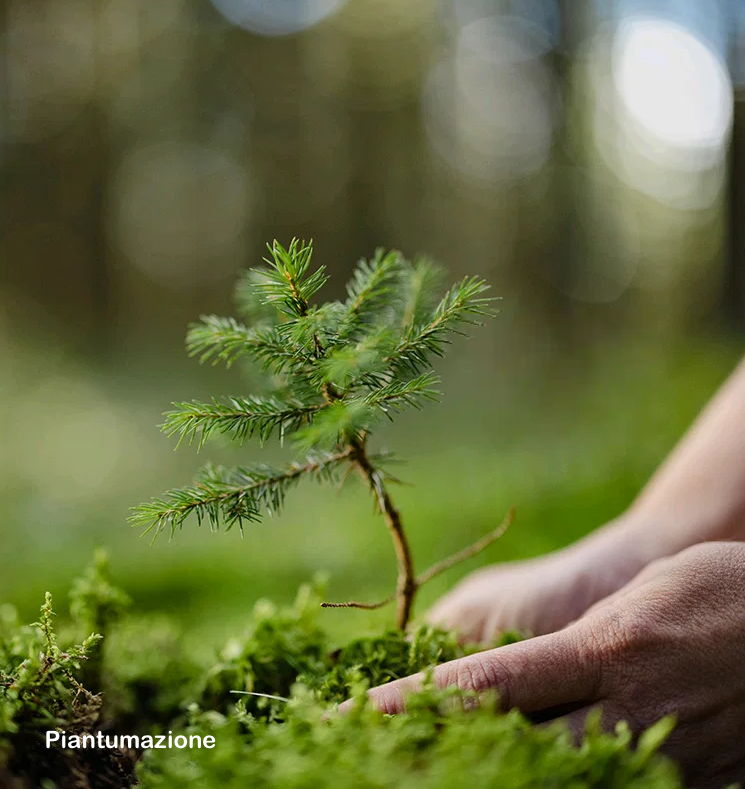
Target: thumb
(551, 671)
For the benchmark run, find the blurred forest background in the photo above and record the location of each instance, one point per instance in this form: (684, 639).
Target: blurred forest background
(586, 157)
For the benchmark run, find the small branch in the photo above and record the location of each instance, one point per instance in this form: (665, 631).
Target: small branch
(439, 567)
(467, 553)
(239, 418)
(364, 606)
(173, 509)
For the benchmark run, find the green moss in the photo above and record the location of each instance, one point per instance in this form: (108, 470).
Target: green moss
(286, 646)
(148, 677)
(41, 690)
(81, 683)
(299, 741)
(434, 746)
(292, 741)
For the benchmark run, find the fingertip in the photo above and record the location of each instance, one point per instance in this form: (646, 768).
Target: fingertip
(390, 699)
(468, 630)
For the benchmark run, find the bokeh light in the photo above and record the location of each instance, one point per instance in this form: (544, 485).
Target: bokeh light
(276, 17)
(540, 15)
(662, 110)
(674, 89)
(489, 107)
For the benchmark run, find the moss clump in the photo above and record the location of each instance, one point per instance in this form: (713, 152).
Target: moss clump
(80, 682)
(148, 678)
(434, 746)
(285, 646)
(41, 690)
(292, 741)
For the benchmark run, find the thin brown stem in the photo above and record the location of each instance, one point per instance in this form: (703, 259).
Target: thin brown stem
(364, 606)
(406, 584)
(467, 553)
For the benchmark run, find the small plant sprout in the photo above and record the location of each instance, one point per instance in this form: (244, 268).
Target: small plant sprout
(333, 371)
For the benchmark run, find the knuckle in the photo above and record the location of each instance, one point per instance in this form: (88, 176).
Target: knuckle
(617, 637)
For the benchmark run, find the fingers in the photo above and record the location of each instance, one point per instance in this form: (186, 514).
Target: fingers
(390, 698)
(466, 608)
(469, 624)
(534, 675)
(442, 612)
(646, 575)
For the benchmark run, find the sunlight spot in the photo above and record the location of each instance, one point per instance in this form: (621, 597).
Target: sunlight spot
(276, 17)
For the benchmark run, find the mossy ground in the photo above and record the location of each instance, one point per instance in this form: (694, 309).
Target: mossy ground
(140, 680)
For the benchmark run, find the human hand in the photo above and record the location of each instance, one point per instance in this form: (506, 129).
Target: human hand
(540, 595)
(670, 642)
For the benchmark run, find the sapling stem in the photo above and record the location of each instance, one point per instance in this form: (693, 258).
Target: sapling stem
(406, 583)
(405, 599)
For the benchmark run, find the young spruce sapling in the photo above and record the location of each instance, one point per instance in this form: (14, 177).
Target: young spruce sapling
(334, 371)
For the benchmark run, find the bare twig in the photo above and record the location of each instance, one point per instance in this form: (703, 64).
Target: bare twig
(467, 553)
(364, 606)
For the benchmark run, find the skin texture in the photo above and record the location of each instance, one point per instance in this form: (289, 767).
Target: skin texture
(697, 495)
(670, 642)
(540, 595)
(644, 618)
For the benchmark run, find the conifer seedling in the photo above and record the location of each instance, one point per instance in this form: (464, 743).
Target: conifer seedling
(333, 371)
